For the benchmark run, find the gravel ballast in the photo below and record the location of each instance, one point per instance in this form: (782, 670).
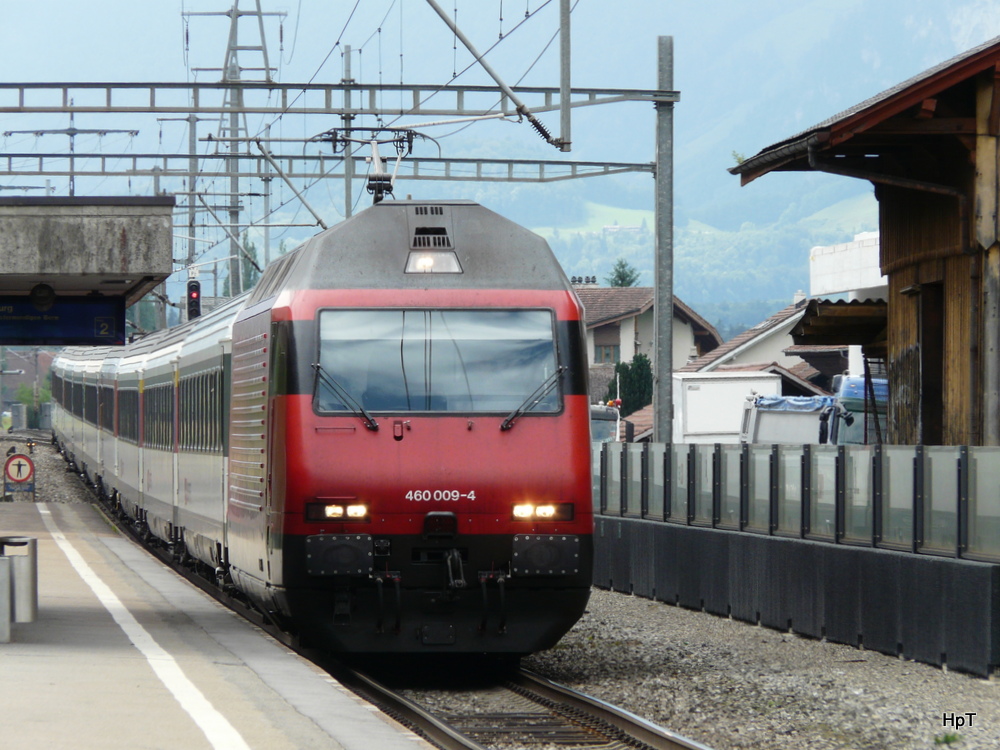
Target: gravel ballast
(730, 684)
(726, 683)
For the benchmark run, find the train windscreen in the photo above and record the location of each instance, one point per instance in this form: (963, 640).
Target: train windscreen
(467, 361)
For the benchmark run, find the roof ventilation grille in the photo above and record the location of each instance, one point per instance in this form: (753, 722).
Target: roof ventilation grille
(431, 237)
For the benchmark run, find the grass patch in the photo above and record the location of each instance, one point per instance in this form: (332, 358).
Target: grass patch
(948, 738)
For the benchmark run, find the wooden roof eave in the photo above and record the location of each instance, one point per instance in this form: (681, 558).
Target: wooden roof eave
(779, 158)
(842, 324)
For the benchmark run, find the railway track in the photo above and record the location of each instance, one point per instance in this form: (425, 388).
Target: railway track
(516, 710)
(507, 709)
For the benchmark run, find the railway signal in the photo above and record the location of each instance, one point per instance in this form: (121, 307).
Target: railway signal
(193, 298)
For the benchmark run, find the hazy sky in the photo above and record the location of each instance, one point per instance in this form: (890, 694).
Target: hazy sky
(731, 55)
(749, 73)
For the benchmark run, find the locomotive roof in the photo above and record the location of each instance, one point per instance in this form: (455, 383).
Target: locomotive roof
(370, 251)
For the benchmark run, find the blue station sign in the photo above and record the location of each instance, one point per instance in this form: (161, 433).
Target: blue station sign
(68, 320)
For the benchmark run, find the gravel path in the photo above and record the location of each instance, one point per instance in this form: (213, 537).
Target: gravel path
(727, 683)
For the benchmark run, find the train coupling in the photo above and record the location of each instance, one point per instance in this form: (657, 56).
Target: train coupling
(456, 574)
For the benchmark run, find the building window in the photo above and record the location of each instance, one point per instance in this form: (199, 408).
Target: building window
(607, 354)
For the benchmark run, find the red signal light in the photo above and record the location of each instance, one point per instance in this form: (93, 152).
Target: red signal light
(193, 298)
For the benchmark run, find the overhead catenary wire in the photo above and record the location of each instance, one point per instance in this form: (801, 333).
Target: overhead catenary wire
(522, 108)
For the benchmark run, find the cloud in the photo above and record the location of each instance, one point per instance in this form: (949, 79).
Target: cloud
(974, 22)
(871, 58)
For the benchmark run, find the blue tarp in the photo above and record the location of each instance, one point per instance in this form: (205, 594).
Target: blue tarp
(794, 403)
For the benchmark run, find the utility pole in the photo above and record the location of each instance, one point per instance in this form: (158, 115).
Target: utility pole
(663, 382)
(347, 118)
(232, 131)
(266, 179)
(565, 139)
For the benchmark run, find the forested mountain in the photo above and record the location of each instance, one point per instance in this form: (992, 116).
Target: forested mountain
(749, 75)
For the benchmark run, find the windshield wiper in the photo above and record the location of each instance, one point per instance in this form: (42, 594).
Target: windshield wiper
(534, 399)
(345, 398)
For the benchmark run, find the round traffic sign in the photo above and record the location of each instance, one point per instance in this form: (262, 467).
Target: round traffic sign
(19, 468)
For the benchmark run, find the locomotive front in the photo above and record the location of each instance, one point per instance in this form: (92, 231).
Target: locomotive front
(428, 482)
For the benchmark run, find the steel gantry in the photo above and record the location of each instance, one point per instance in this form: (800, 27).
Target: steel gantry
(234, 158)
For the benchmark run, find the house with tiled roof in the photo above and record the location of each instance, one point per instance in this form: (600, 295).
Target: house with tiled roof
(620, 325)
(767, 347)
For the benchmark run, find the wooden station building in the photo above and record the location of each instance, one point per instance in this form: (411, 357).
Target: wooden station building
(931, 148)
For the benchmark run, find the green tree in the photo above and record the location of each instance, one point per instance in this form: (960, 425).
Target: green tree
(636, 379)
(623, 274)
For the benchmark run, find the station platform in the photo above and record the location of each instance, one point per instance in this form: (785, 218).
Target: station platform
(126, 654)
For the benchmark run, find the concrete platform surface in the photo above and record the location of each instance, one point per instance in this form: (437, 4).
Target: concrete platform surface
(126, 654)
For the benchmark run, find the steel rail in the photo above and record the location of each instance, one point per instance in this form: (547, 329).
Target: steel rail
(402, 709)
(637, 727)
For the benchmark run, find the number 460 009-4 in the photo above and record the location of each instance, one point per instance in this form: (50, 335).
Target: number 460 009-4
(448, 496)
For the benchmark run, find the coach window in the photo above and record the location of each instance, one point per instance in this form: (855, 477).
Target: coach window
(78, 400)
(188, 411)
(128, 415)
(217, 413)
(203, 414)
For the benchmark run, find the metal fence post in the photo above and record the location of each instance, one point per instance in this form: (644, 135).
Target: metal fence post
(623, 473)
(644, 488)
(962, 514)
(806, 526)
(744, 486)
(716, 484)
(602, 504)
(668, 480)
(877, 515)
(918, 498)
(775, 473)
(692, 475)
(839, 495)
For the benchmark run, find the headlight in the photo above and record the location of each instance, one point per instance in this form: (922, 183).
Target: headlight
(317, 512)
(543, 512)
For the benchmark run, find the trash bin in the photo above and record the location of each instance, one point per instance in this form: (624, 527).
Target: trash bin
(19, 416)
(23, 577)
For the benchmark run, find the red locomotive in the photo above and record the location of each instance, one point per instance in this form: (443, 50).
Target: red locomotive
(385, 445)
